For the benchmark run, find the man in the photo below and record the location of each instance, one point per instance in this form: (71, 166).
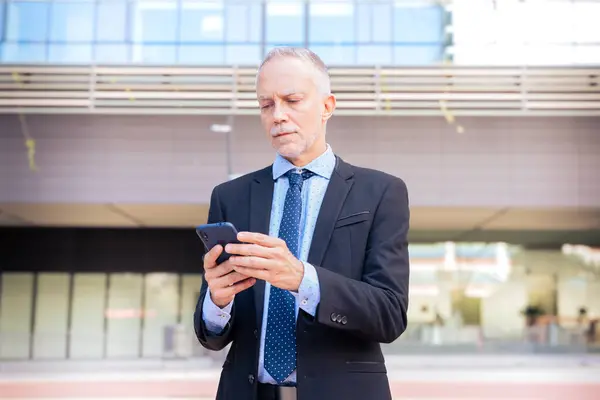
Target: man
(321, 278)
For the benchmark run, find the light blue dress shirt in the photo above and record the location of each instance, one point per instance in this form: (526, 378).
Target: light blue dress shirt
(308, 296)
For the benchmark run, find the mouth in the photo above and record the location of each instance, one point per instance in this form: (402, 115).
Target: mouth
(281, 134)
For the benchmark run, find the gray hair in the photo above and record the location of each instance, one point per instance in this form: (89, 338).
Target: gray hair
(322, 80)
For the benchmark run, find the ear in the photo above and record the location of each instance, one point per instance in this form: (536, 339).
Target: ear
(329, 103)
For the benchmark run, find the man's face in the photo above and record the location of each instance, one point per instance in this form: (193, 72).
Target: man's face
(293, 111)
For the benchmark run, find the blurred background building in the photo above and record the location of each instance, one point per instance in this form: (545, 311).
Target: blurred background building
(118, 117)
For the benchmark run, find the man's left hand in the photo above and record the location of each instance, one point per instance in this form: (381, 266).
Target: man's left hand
(267, 258)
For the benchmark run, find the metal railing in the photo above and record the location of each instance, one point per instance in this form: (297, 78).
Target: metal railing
(227, 90)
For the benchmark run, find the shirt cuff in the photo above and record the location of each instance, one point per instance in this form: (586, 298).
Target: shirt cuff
(309, 293)
(215, 318)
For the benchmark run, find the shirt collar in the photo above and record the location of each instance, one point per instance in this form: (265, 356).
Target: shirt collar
(322, 165)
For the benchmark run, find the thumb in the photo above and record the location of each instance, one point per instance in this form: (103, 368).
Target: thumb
(210, 258)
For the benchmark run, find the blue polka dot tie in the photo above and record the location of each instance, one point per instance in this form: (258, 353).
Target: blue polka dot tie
(280, 341)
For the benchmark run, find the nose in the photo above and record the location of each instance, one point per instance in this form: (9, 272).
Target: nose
(279, 114)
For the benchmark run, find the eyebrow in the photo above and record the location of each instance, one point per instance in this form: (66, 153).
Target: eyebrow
(285, 93)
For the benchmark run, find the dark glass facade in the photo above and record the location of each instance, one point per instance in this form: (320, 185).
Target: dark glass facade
(225, 32)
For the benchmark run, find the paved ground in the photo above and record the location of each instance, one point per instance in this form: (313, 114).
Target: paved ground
(522, 378)
(206, 389)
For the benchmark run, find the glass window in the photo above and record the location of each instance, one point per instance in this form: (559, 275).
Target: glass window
(335, 55)
(70, 53)
(124, 315)
(418, 34)
(72, 21)
(418, 24)
(285, 23)
(28, 20)
(201, 22)
(87, 316)
(246, 54)
(23, 53)
(331, 23)
(190, 290)
(255, 30)
(111, 53)
(382, 23)
(161, 309)
(374, 54)
(374, 23)
(364, 17)
(155, 22)
(111, 21)
(417, 55)
(15, 315)
(154, 53)
(201, 55)
(3, 7)
(243, 23)
(51, 314)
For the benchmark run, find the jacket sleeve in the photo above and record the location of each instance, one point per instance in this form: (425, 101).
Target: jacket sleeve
(205, 337)
(374, 308)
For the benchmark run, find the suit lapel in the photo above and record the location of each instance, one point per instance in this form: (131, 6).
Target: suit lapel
(337, 190)
(261, 198)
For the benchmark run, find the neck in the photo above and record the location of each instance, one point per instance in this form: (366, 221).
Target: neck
(306, 158)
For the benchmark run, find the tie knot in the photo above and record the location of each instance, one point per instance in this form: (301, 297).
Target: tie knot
(297, 179)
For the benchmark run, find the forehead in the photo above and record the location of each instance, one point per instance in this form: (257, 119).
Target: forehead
(285, 75)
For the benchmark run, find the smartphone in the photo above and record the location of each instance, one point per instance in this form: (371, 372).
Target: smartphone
(218, 233)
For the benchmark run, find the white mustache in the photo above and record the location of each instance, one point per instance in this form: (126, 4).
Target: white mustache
(275, 131)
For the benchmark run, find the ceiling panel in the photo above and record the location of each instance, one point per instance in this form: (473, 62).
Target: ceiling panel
(531, 238)
(530, 227)
(536, 218)
(11, 220)
(450, 217)
(165, 215)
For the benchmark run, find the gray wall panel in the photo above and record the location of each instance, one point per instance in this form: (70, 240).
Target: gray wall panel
(496, 162)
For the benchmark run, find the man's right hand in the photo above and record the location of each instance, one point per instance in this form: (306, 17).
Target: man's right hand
(223, 281)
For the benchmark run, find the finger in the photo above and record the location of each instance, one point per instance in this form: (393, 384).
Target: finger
(210, 258)
(254, 262)
(218, 271)
(253, 273)
(227, 280)
(248, 250)
(236, 288)
(260, 239)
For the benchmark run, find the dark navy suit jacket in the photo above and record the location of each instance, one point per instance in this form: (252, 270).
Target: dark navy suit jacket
(360, 252)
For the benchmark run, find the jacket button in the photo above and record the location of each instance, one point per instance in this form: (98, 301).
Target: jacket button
(333, 317)
(338, 318)
(344, 320)
(256, 333)
(251, 379)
